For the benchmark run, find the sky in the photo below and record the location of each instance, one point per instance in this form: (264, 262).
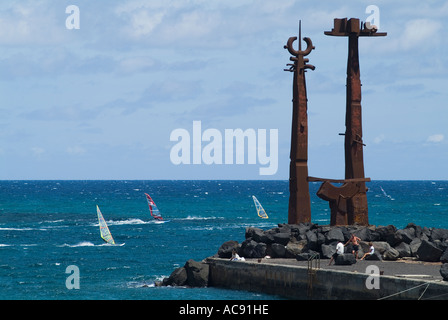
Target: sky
(100, 100)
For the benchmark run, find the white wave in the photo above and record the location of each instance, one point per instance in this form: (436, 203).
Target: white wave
(45, 228)
(51, 221)
(157, 221)
(136, 284)
(81, 244)
(201, 218)
(17, 229)
(124, 222)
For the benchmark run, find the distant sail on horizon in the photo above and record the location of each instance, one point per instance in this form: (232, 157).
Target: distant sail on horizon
(104, 230)
(155, 213)
(260, 210)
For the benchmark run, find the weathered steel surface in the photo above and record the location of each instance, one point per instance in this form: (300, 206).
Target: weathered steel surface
(338, 198)
(356, 205)
(299, 196)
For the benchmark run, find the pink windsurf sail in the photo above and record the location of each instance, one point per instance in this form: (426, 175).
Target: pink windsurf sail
(155, 213)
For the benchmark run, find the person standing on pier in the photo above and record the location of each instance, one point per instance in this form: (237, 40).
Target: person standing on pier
(355, 243)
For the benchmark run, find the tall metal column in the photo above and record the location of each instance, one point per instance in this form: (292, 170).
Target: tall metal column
(299, 196)
(357, 209)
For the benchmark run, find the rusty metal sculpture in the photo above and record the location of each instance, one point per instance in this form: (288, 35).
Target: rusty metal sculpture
(299, 196)
(348, 203)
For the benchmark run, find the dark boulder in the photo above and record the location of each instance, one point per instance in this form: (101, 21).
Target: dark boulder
(294, 248)
(365, 234)
(442, 245)
(177, 278)
(407, 234)
(391, 254)
(277, 250)
(328, 250)
(429, 252)
(385, 232)
(404, 249)
(394, 238)
(345, 259)
(197, 273)
(335, 234)
(302, 228)
(225, 251)
(311, 237)
(320, 240)
(268, 236)
(414, 245)
(444, 271)
(374, 257)
(439, 234)
(417, 229)
(444, 257)
(282, 238)
(251, 249)
(254, 233)
(381, 246)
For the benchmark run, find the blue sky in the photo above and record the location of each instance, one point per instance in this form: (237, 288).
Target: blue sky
(100, 102)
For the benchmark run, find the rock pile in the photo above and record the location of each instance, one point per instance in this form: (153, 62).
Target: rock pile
(192, 274)
(299, 241)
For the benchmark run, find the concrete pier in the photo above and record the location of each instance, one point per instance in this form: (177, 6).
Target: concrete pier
(295, 280)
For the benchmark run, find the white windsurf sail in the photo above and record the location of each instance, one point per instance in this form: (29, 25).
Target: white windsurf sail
(155, 213)
(260, 211)
(104, 230)
(385, 194)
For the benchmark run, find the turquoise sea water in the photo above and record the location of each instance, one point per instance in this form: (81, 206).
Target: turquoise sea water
(46, 226)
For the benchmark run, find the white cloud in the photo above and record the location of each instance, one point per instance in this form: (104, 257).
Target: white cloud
(436, 138)
(419, 32)
(30, 22)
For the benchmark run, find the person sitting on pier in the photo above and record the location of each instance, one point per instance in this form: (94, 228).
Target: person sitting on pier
(372, 251)
(236, 257)
(339, 250)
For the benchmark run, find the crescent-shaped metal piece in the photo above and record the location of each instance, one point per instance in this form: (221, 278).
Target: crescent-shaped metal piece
(309, 47)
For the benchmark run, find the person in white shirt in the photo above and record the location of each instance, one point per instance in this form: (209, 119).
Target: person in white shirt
(236, 257)
(339, 250)
(372, 251)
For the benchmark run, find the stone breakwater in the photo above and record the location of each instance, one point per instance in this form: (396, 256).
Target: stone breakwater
(300, 241)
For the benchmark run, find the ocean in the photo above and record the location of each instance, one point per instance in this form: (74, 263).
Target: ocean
(47, 227)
